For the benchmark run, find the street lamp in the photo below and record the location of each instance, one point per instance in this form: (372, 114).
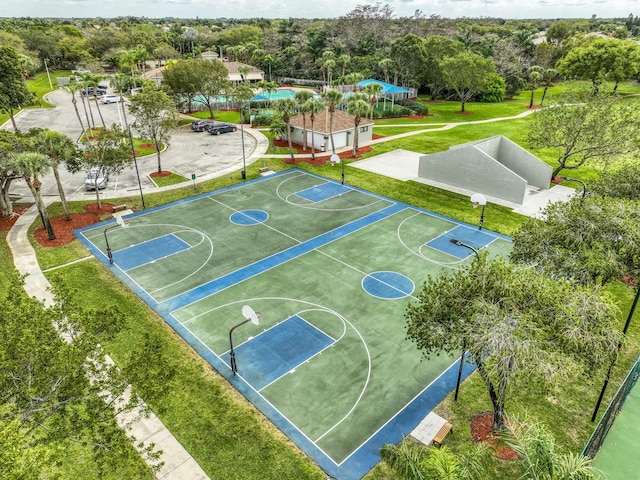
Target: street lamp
(335, 158)
(624, 332)
(478, 199)
(48, 75)
(135, 161)
(250, 315)
(459, 243)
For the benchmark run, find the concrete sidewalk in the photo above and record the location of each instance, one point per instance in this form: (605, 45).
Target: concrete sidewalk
(177, 462)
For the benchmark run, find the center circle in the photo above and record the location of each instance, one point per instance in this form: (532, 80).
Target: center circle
(387, 285)
(249, 217)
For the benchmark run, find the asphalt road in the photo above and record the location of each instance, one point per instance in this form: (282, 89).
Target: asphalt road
(207, 156)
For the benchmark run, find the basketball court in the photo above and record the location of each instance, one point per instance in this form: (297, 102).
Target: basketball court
(294, 288)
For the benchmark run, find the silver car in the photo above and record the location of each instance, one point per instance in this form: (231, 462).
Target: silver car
(96, 177)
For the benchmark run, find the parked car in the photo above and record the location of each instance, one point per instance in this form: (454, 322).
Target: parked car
(221, 128)
(110, 98)
(201, 125)
(96, 177)
(100, 90)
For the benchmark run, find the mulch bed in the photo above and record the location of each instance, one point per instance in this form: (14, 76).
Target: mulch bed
(464, 113)
(7, 222)
(321, 157)
(481, 426)
(63, 229)
(163, 173)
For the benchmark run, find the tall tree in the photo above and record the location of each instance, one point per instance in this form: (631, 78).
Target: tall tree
(32, 166)
(301, 98)
(585, 129)
(466, 74)
(110, 152)
(60, 388)
(535, 76)
(10, 144)
(372, 90)
(120, 83)
(155, 116)
(332, 99)
(73, 88)
(287, 107)
(358, 106)
(517, 325)
(600, 59)
(216, 80)
(59, 149)
(438, 47)
(183, 80)
(313, 107)
(591, 241)
(14, 93)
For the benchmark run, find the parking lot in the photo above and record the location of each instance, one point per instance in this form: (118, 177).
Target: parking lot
(187, 153)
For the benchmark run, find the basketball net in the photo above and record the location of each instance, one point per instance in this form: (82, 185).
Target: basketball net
(475, 204)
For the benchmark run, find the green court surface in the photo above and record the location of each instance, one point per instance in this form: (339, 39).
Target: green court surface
(618, 458)
(330, 269)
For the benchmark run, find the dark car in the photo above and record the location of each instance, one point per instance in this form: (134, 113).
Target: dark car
(201, 125)
(89, 91)
(221, 128)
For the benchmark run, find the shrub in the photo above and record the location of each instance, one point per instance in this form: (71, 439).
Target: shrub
(494, 90)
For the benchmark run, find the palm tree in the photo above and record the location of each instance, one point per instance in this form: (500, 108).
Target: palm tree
(73, 88)
(372, 89)
(344, 60)
(412, 461)
(93, 81)
(268, 58)
(548, 75)
(287, 106)
(358, 107)
(120, 82)
(31, 166)
(301, 97)
(276, 127)
(332, 99)
(58, 148)
(535, 75)
(329, 65)
(86, 83)
(313, 106)
(385, 64)
(538, 455)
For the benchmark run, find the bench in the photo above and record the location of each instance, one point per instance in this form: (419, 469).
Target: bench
(444, 430)
(119, 208)
(263, 169)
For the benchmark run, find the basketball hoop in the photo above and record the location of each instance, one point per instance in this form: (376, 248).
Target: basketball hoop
(475, 204)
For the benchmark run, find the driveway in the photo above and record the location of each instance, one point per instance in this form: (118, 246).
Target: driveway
(206, 156)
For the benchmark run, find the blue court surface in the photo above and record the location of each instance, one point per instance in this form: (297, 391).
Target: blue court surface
(332, 269)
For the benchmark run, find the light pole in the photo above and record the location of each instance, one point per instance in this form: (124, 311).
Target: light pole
(48, 75)
(135, 161)
(244, 164)
(478, 199)
(464, 342)
(624, 332)
(249, 315)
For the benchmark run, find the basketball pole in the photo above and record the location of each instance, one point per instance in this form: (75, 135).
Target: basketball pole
(232, 354)
(481, 218)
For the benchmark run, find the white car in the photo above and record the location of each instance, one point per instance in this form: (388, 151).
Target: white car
(96, 177)
(110, 98)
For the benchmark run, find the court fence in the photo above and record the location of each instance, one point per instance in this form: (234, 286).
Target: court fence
(602, 429)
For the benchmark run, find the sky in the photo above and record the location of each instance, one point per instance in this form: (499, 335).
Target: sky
(514, 9)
